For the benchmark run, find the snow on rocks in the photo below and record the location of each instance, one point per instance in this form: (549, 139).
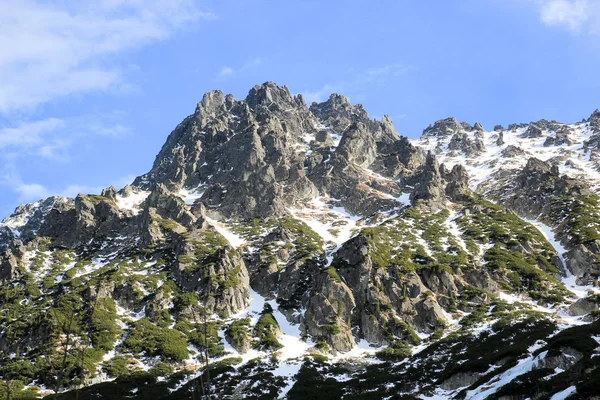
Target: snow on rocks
(287, 370)
(20, 219)
(563, 394)
(233, 239)
(333, 223)
(132, 201)
(189, 196)
(569, 280)
(480, 166)
(523, 366)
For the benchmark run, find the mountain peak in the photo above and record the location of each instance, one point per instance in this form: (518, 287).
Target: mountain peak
(270, 93)
(446, 127)
(299, 232)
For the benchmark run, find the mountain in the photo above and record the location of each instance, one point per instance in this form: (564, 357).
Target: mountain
(277, 250)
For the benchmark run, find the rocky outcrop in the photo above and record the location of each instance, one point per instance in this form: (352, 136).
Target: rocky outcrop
(463, 143)
(9, 261)
(445, 127)
(512, 151)
(532, 190)
(500, 139)
(330, 308)
(561, 137)
(262, 155)
(221, 279)
(459, 380)
(533, 131)
(338, 114)
(457, 187)
(582, 260)
(430, 186)
(562, 359)
(584, 306)
(169, 206)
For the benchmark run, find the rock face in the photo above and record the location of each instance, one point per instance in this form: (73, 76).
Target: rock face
(463, 143)
(513, 151)
(276, 227)
(264, 154)
(445, 127)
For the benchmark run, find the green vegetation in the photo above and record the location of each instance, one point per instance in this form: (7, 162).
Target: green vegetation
(306, 241)
(519, 251)
(118, 366)
(401, 242)
(239, 332)
(581, 214)
(95, 199)
(332, 272)
(204, 336)
(168, 224)
(103, 327)
(331, 329)
(398, 350)
(208, 243)
(185, 300)
(145, 337)
(161, 369)
(266, 330)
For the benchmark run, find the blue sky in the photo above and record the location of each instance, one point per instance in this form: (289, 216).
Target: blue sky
(89, 91)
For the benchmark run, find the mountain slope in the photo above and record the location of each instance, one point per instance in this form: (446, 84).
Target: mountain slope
(314, 252)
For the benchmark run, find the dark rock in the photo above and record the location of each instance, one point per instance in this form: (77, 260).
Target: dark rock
(461, 142)
(443, 128)
(221, 279)
(500, 140)
(533, 131)
(583, 306)
(512, 151)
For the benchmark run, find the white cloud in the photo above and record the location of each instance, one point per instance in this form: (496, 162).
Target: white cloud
(575, 15)
(357, 81)
(321, 94)
(51, 50)
(52, 137)
(26, 192)
(227, 72)
(29, 134)
(32, 192)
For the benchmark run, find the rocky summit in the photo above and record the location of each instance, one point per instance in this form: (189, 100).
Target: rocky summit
(277, 250)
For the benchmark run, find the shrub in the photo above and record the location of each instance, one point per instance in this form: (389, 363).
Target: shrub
(239, 332)
(265, 331)
(117, 366)
(167, 343)
(398, 350)
(161, 369)
(103, 328)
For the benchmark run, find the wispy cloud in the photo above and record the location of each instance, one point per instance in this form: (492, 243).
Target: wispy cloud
(51, 49)
(228, 72)
(225, 72)
(28, 192)
(357, 81)
(52, 137)
(29, 134)
(577, 16)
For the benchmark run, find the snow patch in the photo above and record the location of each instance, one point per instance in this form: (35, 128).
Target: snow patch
(564, 393)
(133, 201)
(233, 239)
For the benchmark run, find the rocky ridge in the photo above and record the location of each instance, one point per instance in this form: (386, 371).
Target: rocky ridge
(267, 228)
